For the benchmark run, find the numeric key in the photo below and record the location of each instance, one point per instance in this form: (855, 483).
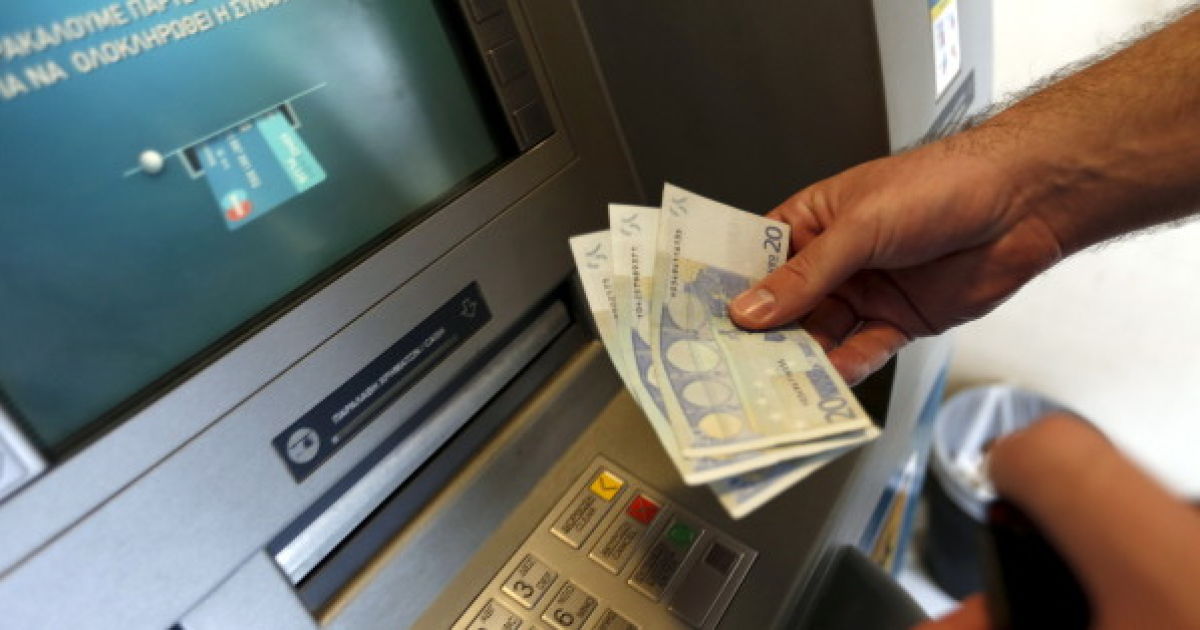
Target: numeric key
(529, 581)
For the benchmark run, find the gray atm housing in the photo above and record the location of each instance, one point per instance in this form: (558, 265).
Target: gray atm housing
(185, 514)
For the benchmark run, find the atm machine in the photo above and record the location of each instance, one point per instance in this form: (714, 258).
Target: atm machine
(288, 332)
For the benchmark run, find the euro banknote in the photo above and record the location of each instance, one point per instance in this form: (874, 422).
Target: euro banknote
(741, 482)
(743, 415)
(593, 261)
(743, 494)
(726, 390)
(634, 230)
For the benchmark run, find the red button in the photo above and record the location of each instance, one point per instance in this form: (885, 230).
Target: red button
(642, 509)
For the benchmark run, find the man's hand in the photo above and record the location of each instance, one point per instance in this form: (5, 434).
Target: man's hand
(899, 248)
(914, 244)
(1134, 548)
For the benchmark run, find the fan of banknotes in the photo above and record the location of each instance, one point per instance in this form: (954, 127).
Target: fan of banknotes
(749, 413)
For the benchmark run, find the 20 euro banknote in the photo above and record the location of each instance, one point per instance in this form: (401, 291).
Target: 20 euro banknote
(634, 230)
(726, 390)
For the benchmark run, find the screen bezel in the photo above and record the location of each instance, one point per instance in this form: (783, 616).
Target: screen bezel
(457, 33)
(203, 397)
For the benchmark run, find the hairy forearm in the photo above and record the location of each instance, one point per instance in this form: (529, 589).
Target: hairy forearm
(1108, 150)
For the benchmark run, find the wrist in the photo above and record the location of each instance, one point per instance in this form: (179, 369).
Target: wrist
(1089, 190)
(1112, 149)
(1080, 187)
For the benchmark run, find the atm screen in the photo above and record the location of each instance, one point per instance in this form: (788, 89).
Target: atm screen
(173, 172)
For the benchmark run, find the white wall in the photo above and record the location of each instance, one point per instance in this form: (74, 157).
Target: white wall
(1034, 38)
(1113, 332)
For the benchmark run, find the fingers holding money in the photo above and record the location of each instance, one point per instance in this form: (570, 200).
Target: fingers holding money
(856, 341)
(867, 350)
(825, 252)
(807, 213)
(831, 321)
(798, 286)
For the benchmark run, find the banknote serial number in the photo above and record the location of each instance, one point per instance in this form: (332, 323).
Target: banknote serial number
(676, 249)
(773, 243)
(610, 293)
(639, 308)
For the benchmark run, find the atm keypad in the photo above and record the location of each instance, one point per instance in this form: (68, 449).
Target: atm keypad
(613, 555)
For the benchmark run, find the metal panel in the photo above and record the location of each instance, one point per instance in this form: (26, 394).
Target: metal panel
(906, 55)
(466, 525)
(352, 559)
(337, 520)
(258, 596)
(746, 102)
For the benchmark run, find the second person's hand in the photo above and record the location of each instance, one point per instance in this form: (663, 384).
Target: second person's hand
(1133, 546)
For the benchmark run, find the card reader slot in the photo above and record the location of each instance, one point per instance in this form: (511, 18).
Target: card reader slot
(339, 515)
(327, 547)
(353, 565)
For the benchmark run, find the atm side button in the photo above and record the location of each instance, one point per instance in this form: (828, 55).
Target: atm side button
(484, 9)
(532, 122)
(700, 589)
(508, 61)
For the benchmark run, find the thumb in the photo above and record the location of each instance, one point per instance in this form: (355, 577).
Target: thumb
(794, 289)
(1128, 539)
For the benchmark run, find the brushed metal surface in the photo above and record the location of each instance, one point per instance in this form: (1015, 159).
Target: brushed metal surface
(328, 530)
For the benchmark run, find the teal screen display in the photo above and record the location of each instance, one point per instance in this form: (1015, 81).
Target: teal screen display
(172, 171)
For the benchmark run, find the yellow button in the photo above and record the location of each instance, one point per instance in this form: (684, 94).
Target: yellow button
(607, 485)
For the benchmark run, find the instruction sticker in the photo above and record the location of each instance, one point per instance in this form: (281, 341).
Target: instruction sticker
(330, 424)
(256, 166)
(947, 43)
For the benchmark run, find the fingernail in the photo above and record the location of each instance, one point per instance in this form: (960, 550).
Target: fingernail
(756, 304)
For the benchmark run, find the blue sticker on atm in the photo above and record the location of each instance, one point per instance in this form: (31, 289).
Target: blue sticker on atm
(256, 166)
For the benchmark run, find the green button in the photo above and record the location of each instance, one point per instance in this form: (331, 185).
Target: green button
(681, 535)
